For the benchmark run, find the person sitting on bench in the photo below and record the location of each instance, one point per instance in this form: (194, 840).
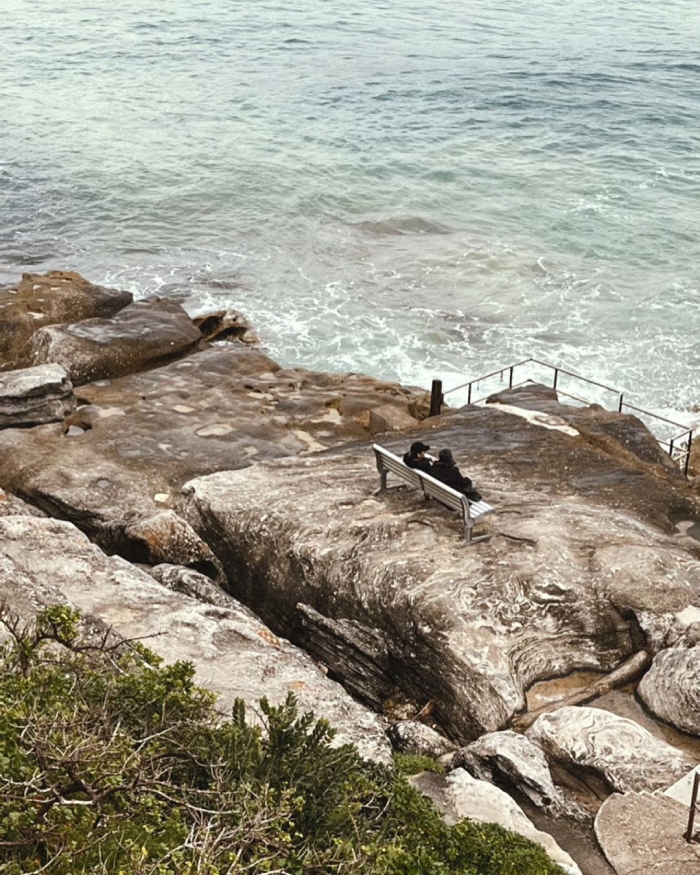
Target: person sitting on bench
(446, 471)
(415, 458)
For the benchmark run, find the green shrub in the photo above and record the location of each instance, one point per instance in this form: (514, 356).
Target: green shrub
(411, 764)
(112, 763)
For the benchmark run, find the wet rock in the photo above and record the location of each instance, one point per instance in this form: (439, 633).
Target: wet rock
(671, 687)
(412, 737)
(509, 756)
(47, 299)
(556, 588)
(31, 396)
(642, 833)
(234, 654)
(137, 439)
(226, 325)
(618, 749)
(459, 796)
(138, 337)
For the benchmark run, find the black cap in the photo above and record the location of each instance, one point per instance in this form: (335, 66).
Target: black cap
(419, 447)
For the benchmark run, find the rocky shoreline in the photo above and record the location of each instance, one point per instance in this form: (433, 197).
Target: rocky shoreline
(169, 479)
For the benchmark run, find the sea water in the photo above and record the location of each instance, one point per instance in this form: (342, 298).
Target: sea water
(415, 190)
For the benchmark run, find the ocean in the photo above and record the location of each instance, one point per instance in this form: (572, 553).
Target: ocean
(414, 190)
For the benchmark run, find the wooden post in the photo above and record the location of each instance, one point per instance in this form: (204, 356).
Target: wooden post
(693, 807)
(436, 398)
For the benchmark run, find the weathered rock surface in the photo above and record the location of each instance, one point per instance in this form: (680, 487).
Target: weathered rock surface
(509, 756)
(31, 396)
(47, 562)
(224, 325)
(412, 737)
(137, 439)
(10, 505)
(642, 834)
(458, 796)
(400, 602)
(628, 756)
(671, 687)
(138, 337)
(47, 299)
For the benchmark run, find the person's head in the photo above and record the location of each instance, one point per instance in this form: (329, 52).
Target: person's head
(418, 448)
(445, 456)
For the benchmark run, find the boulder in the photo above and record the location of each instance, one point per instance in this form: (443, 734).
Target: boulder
(671, 687)
(458, 796)
(122, 457)
(628, 756)
(234, 654)
(380, 589)
(31, 396)
(512, 758)
(412, 737)
(641, 833)
(226, 325)
(47, 299)
(138, 337)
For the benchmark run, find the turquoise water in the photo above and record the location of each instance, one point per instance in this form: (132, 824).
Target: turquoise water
(414, 190)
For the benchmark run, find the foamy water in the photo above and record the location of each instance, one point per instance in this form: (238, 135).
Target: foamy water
(411, 190)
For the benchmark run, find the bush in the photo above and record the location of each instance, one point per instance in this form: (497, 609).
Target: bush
(113, 763)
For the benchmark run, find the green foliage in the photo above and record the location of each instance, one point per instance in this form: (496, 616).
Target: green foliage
(411, 764)
(114, 764)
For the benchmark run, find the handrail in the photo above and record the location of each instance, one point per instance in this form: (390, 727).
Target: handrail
(672, 444)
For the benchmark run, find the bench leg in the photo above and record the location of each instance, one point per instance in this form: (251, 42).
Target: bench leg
(382, 483)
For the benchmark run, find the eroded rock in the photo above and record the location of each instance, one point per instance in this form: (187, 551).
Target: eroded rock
(397, 597)
(458, 796)
(628, 756)
(225, 325)
(508, 755)
(671, 687)
(31, 396)
(412, 737)
(47, 299)
(47, 562)
(139, 336)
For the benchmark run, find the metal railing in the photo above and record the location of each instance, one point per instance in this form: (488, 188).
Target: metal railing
(689, 833)
(678, 445)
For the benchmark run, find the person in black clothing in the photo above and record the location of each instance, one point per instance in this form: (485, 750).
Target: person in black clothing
(446, 471)
(415, 458)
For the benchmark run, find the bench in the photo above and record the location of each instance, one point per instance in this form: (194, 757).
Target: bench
(388, 463)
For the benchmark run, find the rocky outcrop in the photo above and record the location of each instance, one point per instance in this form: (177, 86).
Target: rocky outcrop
(642, 834)
(380, 589)
(234, 654)
(412, 737)
(671, 687)
(512, 758)
(122, 457)
(31, 396)
(47, 299)
(138, 337)
(226, 325)
(458, 796)
(629, 757)
(10, 505)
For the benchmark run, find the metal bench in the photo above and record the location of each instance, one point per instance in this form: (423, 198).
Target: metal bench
(388, 463)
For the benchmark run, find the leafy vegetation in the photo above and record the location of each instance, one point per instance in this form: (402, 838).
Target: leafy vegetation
(113, 763)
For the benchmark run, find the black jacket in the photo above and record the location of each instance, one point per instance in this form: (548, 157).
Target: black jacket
(450, 475)
(424, 465)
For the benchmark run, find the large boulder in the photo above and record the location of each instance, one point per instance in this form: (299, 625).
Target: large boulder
(138, 337)
(459, 796)
(31, 396)
(50, 562)
(122, 457)
(380, 589)
(48, 299)
(512, 758)
(642, 834)
(671, 687)
(624, 753)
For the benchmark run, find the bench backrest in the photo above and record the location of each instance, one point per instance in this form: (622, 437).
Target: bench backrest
(432, 488)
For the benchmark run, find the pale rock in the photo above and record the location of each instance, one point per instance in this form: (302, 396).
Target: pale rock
(413, 737)
(32, 396)
(671, 688)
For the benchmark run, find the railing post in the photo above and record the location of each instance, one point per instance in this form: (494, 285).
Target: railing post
(687, 458)
(556, 377)
(510, 381)
(469, 394)
(670, 448)
(619, 406)
(693, 807)
(436, 398)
